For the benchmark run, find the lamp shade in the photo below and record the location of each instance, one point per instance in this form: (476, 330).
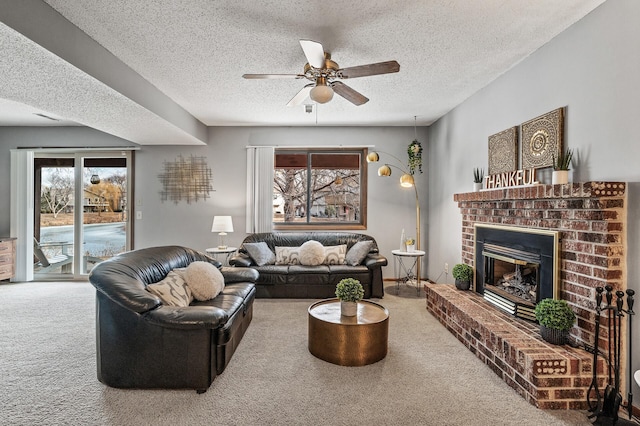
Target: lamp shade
(373, 157)
(406, 180)
(384, 171)
(222, 224)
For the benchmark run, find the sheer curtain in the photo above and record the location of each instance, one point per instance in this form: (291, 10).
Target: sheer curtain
(260, 163)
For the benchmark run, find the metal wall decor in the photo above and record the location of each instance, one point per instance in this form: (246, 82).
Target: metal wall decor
(542, 139)
(503, 151)
(185, 179)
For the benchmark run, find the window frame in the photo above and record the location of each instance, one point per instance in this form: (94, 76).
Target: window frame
(308, 225)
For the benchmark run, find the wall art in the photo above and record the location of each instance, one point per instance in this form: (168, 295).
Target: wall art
(503, 151)
(542, 139)
(186, 179)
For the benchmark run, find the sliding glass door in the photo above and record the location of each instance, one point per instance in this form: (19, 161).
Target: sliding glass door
(81, 211)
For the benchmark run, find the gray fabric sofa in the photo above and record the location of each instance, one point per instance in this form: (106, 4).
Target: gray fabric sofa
(312, 282)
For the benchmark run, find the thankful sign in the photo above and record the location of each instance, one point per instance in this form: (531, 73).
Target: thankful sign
(508, 179)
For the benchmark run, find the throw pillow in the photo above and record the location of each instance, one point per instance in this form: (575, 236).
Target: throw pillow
(260, 253)
(287, 255)
(204, 280)
(172, 290)
(335, 255)
(358, 252)
(312, 253)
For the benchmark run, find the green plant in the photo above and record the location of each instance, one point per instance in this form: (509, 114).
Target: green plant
(349, 290)
(410, 241)
(563, 161)
(415, 157)
(555, 314)
(462, 272)
(478, 175)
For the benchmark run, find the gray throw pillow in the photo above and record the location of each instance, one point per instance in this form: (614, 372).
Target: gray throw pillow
(358, 252)
(260, 253)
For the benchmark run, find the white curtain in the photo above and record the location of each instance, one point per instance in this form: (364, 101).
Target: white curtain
(22, 212)
(260, 163)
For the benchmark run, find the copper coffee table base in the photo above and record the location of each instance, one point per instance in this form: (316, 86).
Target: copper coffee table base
(349, 341)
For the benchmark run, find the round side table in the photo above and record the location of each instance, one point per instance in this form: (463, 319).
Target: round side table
(350, 341)
(404, 272)
(215, 251)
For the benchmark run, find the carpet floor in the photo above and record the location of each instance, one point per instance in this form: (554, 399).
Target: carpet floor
(48, 373)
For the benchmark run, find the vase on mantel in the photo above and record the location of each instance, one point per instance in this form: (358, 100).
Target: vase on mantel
(560, 177)
(477, 186)
(348, 309)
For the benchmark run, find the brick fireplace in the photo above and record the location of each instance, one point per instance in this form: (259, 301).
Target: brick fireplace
(590, 219)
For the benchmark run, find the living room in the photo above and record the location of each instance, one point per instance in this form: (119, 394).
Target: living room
(590, 69)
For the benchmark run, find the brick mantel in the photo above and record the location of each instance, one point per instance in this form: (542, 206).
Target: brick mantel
(591, 218)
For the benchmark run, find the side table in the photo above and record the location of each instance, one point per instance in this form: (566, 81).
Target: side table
(350, 341)
(215, 251)
(405, 272)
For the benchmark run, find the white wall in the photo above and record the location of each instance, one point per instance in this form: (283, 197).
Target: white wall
(390, 207)
(592, 70)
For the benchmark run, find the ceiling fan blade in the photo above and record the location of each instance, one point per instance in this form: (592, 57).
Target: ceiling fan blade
(300, 96)
(349, 94)
(271, 76)
(369, 69)
(314, 53)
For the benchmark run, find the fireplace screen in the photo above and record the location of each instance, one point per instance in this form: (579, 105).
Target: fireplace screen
(516, 267)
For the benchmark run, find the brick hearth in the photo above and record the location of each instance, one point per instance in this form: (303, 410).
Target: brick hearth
(548, 376)
(591, 219)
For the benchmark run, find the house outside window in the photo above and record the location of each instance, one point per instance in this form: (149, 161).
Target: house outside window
(320, 188)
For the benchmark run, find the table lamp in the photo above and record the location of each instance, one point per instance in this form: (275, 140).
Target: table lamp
(222, 225)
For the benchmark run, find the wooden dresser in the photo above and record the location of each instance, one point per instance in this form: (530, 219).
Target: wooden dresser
(7, 257)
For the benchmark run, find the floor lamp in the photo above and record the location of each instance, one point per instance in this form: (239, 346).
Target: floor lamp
(406, 181)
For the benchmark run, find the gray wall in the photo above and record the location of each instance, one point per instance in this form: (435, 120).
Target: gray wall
(592, 70)
(390, 207)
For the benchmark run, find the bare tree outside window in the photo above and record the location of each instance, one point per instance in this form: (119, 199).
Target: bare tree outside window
(318, 188)
(57, 192)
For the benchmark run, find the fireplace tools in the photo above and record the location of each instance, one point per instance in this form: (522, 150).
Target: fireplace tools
(612, 398)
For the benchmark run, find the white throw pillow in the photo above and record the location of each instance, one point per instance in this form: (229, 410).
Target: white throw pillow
(287, 255)
(204, 280)
(172, 290)
(312, 253)
(335, 255)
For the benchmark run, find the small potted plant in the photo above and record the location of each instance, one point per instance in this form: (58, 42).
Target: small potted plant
(561, 167)
(556, 319)
(478, 177)
(411, 244)
(349, 291)
(463, 275)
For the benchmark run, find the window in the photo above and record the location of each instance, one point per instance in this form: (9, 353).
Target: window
(315, 188)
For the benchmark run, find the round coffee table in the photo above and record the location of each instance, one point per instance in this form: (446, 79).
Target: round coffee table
(350, 341)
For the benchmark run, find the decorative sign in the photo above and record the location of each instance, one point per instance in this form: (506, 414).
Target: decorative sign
(511, 179)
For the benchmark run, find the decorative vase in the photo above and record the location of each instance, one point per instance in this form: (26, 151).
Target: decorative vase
(411, 247)
(554, 336)
(348, 309)
(559, 177)
(463, 285)
(477, 186)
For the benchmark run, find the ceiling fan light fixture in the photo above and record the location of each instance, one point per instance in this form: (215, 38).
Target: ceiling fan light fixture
(321, 94)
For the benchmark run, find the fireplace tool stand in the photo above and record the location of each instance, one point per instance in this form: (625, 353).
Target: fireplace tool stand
(608, 405)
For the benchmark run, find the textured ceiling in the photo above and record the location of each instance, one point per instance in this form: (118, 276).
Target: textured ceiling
(195, 51)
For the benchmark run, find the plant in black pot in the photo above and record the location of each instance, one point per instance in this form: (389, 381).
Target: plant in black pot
(556, 319)
(463, 275)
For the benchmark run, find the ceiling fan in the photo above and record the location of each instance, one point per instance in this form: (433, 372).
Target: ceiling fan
(325, 74)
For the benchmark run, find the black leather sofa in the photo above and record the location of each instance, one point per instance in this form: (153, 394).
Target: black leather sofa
(313, 282)
(142, 343)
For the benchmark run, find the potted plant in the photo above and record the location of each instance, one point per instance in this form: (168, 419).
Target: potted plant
(411, 244)
(349, 291)
(463, 275)
(478, 177)
(415, 157)
(556, 319)
(561, 167)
